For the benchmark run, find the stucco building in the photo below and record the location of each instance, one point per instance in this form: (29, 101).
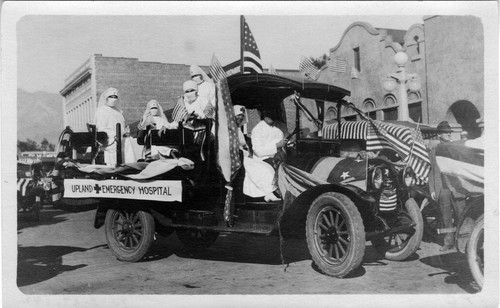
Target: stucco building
(447, 53)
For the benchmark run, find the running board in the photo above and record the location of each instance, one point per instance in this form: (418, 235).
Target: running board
(234, 229)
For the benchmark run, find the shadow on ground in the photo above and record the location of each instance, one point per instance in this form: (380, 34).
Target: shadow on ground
(48, 216)
(453, 266)
(247, 248)
(37, 264)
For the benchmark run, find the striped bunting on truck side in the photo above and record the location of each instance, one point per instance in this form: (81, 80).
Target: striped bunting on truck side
(22, 185)
(349, 130)
(407, 142)
(462, 167)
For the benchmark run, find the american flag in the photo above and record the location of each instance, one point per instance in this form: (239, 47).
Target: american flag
(338, 66)
(405, 142)
(216, 70)
(228, 158)
(308, 68)
(180, 111)
(209, 111)
(251, 54)
(461, 166)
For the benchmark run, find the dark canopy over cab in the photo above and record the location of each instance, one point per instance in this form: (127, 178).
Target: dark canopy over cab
(259, 90)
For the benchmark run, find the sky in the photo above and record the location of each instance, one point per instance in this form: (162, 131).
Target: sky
(51, 47)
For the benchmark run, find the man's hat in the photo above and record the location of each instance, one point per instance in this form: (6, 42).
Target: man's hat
(444, 127)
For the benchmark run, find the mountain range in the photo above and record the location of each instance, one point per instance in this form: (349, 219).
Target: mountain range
(39, 115)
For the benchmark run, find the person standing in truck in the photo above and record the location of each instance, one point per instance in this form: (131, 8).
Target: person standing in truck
(108, 114)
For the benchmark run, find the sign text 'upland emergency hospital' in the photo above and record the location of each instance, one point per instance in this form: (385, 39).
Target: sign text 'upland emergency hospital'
(157, 190)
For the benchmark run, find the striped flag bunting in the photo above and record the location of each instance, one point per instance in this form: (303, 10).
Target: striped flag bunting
(349, 130)
(388, 200)
(216, 70)
(406, 141)
(400, 138)
(296, 181)
(338, 66)
(462, 167)
(251, 54)
(180, 111)
(22, 185)
(308, 68)
(63, 144)
(227, 147)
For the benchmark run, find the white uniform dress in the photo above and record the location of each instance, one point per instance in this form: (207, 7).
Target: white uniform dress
(206, 89)
(105, 120)
(264, 139)
(159, 123)
(198, 106)
(259, 175)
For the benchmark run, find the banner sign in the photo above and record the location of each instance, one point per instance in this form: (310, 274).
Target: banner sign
(121, 189)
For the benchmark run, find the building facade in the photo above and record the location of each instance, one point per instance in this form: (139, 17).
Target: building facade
(455, 70)
(447, 53)
(137, 82)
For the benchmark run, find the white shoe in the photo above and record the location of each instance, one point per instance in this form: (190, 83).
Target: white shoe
(271, 197)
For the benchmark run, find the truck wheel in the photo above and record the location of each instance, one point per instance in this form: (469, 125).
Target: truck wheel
(195, 239)
(475, 252)
(129, 234)
(335, 234)
(399, 246)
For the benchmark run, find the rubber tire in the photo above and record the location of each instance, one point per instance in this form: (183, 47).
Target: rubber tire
(355, 234)
(146, 240)
(383, 248)
(471, 251)
(196, 239)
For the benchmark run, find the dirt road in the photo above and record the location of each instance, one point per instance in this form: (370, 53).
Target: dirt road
(64, 254)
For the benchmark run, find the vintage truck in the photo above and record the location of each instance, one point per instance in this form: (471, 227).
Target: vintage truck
(322, 201)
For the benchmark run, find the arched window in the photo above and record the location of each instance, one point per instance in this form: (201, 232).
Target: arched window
(330, 115)
(369, 108)
(414, 96)
(390, 100)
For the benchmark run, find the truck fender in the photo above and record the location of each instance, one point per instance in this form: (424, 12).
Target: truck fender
(295, 212)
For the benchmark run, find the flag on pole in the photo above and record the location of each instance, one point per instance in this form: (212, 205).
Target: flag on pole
(251, 55)
(308, 68)
(216, 70)
(338, 66)
(180, 111)
(228, 158)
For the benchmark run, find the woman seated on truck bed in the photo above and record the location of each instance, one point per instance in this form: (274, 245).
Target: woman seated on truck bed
(154, 118)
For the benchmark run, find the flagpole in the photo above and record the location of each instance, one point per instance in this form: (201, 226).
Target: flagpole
(242, 34)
